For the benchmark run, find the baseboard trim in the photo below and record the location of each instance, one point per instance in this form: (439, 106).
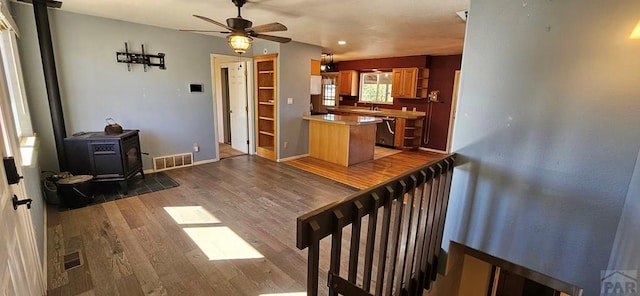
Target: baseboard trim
(432, 150)
(45, 265)
(206, 161)
(292, 157)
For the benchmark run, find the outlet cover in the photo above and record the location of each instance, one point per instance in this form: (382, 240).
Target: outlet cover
(290, 101)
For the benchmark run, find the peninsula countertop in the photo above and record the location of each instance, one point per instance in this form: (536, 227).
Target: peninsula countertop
(379, 113)
(343, 119)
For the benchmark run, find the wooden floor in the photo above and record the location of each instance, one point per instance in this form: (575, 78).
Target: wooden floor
(134, 247)
(381, 152)
(369, 173)
(226, 151)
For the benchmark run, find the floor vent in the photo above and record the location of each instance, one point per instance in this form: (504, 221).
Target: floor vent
(172, 161)
(72, 260)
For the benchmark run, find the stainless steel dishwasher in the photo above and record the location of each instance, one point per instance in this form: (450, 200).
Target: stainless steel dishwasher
(386, 131)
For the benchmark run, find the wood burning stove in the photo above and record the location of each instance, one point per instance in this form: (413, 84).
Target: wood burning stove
(105, 157)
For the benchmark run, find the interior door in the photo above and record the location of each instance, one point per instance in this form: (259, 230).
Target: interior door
(14, 279)
(20, 272)
(238, 101)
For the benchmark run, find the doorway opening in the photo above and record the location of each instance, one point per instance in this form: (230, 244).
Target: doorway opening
(233, 105)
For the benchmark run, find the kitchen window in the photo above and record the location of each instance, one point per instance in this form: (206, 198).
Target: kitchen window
(329, 90)
(376, 87)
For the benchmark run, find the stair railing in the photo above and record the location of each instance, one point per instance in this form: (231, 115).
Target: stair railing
(401, 248)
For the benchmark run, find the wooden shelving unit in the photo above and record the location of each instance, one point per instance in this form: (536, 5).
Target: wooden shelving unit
(266, 105)
(408, 133)
(422, 90)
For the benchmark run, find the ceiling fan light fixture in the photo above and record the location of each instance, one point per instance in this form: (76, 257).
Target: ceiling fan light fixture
(239, 42)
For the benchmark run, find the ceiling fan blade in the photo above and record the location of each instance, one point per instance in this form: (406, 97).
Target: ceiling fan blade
(272, 27)
(206, 19)
(205, 31)
(272, 38)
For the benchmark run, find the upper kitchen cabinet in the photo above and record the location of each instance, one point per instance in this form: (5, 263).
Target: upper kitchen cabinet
(410, 83)
(316, 78)
(315, 67)
(348, 80)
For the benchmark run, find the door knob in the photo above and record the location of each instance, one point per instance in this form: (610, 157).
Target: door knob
(17, 202)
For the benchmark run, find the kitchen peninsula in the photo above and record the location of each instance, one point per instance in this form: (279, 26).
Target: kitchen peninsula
(341, 139)
(408, 124)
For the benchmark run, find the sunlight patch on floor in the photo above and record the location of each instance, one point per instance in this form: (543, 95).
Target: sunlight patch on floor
(221, 243)
(191, 215)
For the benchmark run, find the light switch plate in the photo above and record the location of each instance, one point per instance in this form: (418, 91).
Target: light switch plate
(289, 101)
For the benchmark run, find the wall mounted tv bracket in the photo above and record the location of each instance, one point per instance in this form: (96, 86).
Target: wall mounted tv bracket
(147, 60)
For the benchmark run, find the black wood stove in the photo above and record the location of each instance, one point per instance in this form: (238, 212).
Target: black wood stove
(105, 157)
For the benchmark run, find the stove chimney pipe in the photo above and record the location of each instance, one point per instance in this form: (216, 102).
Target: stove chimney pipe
(50, 75)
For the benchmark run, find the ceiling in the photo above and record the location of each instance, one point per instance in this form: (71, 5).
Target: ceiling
(371, 28)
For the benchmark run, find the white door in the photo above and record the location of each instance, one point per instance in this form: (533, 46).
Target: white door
(20, 271)
(14, 279)
(238, 101)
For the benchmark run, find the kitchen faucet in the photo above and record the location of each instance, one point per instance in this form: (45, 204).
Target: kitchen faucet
(371, 108)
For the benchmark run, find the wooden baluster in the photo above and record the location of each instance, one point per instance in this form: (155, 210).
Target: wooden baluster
(425, 187)
(395, 235)
(314, 258)
(408, 238)
(448, 172)
(355, 242)
(371, 239)
(436, 216)
(384, 241)
(413, 232)
(336, 248)
(428, 227)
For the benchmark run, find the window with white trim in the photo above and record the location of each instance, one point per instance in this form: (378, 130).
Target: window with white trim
(329, 90)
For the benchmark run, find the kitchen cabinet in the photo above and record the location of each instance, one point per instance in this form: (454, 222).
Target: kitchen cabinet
(316, 79)
(410, 83)
(343, 140)
(266, 105)
(348, 83)
(315, 67)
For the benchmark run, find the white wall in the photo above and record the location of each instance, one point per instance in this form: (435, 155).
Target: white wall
(626, 249)
(94, 86)
(547, 133)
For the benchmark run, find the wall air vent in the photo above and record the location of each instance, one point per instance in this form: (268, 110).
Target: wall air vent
(172, 161)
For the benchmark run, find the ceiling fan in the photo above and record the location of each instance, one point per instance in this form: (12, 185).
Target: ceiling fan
(241, 30)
